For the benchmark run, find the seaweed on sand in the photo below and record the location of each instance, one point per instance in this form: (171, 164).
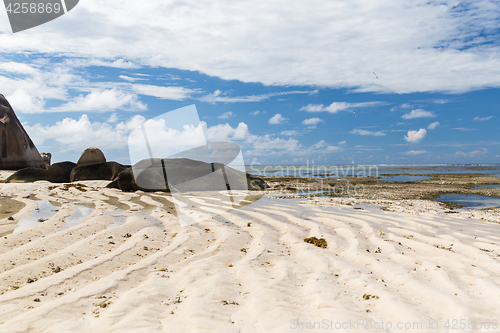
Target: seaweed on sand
(321, 242)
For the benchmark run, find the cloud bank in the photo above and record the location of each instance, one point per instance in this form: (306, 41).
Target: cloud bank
(437, 44)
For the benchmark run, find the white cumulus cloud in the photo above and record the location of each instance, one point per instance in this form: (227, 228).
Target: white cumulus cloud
(434, 125)
(416, 152)
(171, 93)
(102, 101)
(78, 134)
(415, 136)
(24, 102)
(338, 106)
(263, 145)
(477, 152)
(289, 133)
(256, 113)
(319, 144)
(312, 121)
(225, 115)
(130, 79)
(113, 118)
(418, 113)
(482, 119)
(277, 119)
(366, 132)
(219, 96)
(333, 149)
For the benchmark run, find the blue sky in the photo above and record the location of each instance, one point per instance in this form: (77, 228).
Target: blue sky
(326, 82)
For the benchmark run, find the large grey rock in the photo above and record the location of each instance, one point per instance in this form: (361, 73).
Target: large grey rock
(255, 183)
(91, 155)
(184, 175)
(17, 151)
(56, 173)
(97, 171)
(151, 179)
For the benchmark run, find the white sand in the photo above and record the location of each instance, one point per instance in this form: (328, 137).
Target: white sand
(247, 270)
(4, 174)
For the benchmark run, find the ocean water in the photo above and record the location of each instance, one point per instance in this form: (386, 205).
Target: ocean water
(471, 200)
(406, 178)
(353, 171)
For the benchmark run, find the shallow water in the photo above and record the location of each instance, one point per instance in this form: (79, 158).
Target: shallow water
(44, 211)
(300, 193)
(78, 216)
(471, 200)
(406, 178)
(117, 221)
(486, 186)
(120, 219)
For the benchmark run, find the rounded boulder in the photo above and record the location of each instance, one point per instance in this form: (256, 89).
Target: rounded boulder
(91, 155)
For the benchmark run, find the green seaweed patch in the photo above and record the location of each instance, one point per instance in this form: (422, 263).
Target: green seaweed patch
(321, 242)
(104, 304)
(78, 186)
(366, 297)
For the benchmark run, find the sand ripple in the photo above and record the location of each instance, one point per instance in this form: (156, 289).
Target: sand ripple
(247, 270)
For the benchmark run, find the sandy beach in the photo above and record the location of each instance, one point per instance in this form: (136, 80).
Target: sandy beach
(250, 166)
(106, 261)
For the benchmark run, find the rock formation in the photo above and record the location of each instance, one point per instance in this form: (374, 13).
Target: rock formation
(189, 175)
(97, 171)
(56, 173)
(66, 172)
(185, 175)
(17, 151)
(46, 158)
(91, 155)
(151, 179)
